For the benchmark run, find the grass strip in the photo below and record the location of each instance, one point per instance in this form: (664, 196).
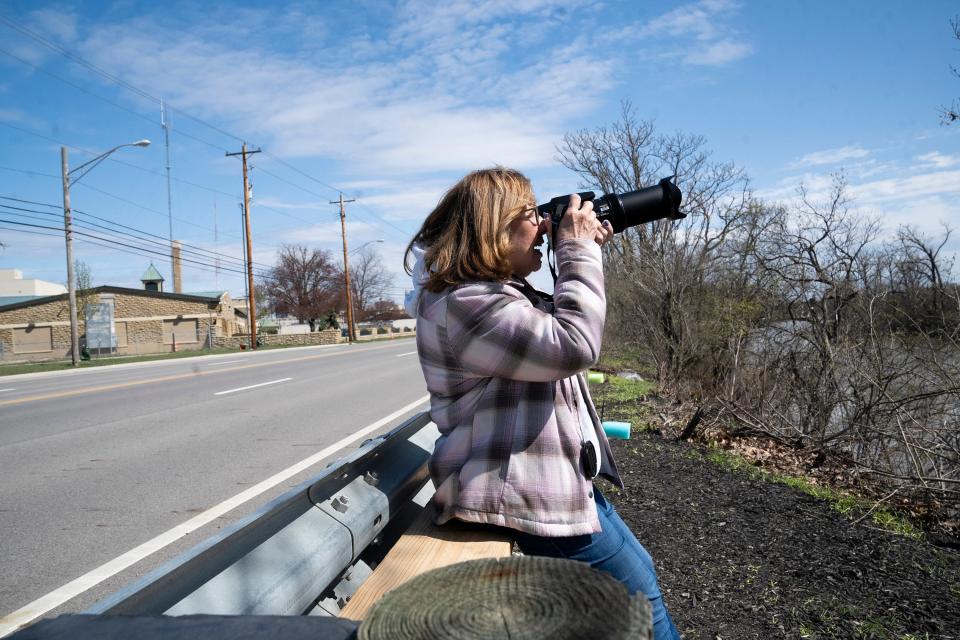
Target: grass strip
(852, 506)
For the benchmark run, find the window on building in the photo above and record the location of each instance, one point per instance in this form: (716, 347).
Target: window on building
(33, 340)
(181, 330)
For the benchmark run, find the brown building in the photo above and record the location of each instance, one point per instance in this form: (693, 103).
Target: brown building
(116, 320)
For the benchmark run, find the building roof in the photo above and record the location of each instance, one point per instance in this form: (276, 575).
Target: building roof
(27, 301)
(5, 300)
(206, 294)
(151, 275)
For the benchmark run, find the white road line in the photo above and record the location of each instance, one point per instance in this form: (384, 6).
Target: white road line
(2, 390)
(252, 386)
(24, 615)
(217, 364)
(409, 353)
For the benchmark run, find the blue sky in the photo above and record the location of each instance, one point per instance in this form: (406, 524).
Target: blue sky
(390, 103)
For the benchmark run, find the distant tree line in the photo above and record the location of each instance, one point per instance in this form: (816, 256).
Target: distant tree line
(309, 285)
(801, 323)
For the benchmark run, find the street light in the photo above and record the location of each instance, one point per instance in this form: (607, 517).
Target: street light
(71, 177)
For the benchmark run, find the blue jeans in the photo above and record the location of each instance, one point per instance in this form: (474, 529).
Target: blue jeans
(615, 550)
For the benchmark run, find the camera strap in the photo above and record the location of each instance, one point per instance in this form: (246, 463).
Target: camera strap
(552, 259)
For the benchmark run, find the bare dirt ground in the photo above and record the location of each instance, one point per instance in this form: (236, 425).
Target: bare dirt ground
(739, 557)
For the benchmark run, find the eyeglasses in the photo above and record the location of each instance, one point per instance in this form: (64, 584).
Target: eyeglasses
(531, 209)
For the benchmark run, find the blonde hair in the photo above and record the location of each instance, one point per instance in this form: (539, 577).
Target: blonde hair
(465, 237)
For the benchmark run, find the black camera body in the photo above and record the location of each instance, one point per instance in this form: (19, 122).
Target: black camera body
(626, 209)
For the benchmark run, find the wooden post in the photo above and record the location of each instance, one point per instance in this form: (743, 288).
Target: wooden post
(251, 309)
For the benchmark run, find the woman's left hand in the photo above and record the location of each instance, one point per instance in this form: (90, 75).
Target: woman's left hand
(604, 233)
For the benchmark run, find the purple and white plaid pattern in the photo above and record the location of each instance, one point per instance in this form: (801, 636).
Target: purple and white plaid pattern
(499, 366)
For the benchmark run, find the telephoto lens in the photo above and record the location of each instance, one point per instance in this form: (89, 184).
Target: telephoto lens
(625, 209)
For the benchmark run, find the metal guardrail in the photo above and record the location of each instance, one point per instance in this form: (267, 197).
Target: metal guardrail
(279, 559)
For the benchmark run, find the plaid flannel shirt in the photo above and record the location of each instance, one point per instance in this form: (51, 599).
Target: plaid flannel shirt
(499, 362)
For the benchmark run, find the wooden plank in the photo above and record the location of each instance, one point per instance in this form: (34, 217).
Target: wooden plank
(423, 547)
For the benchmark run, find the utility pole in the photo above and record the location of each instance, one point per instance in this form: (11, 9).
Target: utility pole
(351, 331)
(71, 283)
(166, 135)
(243, 230)
(251, 313)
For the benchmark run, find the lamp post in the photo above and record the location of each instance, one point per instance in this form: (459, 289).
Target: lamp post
(351, 316)
(70, 177)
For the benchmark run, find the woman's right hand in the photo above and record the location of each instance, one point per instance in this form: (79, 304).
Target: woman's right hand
(580, 222)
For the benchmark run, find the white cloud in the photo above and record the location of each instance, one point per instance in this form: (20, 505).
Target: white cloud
(55, 21)
(927, 213)
(925, 201)
(407, 203)
(704, 32)
(427, 21)
(908, 188)
(787, 189)
(831, 156)
(55, 25)
(282, 204)
(936, 160)
(436, 109)
(327, 235)
(719, 53)
(22, 117)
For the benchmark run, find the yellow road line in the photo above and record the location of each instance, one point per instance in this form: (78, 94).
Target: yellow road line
(179, 376)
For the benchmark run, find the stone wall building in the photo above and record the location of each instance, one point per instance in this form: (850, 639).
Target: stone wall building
(116, 320)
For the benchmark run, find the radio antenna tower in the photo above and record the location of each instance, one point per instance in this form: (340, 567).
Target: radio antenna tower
(216, 246)
(166, 135)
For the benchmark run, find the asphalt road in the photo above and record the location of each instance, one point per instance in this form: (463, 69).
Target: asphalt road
(98, 461)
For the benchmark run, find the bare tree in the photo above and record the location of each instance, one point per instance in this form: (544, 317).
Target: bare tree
(83, 279)
(86, 296)
(369, 280)
(798, 323)
(919, 270)
(858, 357)
(657, 273)
(304, 284)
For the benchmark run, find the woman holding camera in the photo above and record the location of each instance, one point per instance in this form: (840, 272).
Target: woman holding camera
(520, 441)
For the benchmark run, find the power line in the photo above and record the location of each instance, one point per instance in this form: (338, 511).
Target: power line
(192, 248)
(36, 233)
(157, 173)
(114, 242)
(111, 159)
(138, 251)
(39, 204)
(118, 224)
(405, 234)
(303, 173)
(199, 253)
(107, 193)
(314, 193)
